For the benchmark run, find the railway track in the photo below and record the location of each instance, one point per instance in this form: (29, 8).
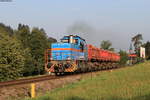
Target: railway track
(41, 78)
(27, 81)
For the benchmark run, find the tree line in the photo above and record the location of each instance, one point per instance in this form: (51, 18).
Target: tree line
(22, 51)
(137, 43)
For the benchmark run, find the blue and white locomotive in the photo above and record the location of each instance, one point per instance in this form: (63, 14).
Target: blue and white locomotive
(63, 56)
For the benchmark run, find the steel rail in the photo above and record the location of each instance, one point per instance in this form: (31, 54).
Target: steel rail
(27, 81)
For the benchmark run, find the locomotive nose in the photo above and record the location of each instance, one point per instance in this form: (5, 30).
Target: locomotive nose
(67, 65)
(49, 65)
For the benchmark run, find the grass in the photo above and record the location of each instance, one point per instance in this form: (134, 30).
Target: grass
(131, 83)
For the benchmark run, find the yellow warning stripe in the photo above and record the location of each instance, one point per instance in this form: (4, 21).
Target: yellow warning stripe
(72, 68)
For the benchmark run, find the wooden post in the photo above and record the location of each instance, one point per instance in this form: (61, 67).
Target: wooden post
(32, 90)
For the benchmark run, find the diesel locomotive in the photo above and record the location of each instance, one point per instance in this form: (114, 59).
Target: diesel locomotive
(73, 55)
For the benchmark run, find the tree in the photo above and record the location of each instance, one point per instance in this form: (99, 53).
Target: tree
(11, 58)
(106, 45)
(23, 35)
(34, 43)
(51, 40)
(6, 29)
(124, 57)
(22, 51)
(29, 66)
(137, 43)
(38, 44)
(147, 49)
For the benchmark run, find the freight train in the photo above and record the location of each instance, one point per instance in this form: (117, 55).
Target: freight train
(74, 55)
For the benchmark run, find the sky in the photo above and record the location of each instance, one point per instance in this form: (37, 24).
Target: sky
(114, 20)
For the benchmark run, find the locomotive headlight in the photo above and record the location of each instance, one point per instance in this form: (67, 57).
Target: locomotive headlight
(51, 58)
(68, 58)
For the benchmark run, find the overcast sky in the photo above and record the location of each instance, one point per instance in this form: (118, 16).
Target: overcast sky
(114, 20)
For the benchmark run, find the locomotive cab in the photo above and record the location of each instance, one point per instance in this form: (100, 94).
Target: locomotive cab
(79, 43)
(76, 40)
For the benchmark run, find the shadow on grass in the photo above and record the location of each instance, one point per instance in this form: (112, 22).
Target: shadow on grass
(45, 98)
(69, 98)
(75, 98)
(145, 97)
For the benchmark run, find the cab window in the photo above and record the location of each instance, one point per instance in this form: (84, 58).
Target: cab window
(65, 41)
(82, 46)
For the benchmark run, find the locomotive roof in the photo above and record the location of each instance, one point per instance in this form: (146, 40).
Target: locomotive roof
(74, 36)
